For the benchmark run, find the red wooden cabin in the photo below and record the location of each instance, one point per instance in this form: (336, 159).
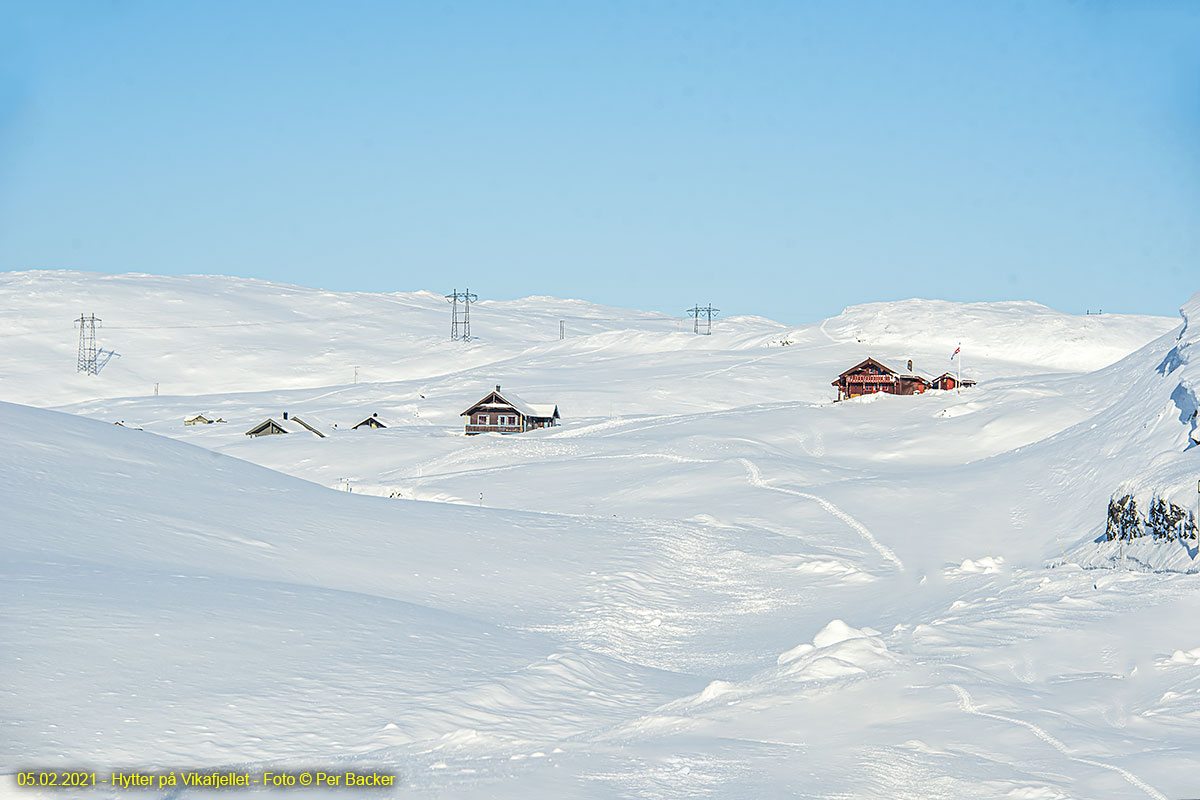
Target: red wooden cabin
(950, 382)
(870, 377)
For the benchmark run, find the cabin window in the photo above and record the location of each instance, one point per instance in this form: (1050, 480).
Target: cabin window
(482, 419)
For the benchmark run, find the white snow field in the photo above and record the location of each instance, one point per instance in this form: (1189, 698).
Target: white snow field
(710, 581)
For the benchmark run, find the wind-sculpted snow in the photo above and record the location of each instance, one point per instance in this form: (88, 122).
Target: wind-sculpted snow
(711, 581)
(1154, 509)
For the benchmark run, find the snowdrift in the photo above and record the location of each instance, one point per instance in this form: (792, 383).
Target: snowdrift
(1152, 513)
(709, 579)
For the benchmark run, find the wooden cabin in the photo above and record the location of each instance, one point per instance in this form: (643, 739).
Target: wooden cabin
(948, 382)
(272, 427)
(871, 377)
(507, 413)
(372, 421)
(913, 384)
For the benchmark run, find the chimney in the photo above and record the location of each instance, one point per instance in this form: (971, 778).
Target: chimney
(285, 415)
(497, 387)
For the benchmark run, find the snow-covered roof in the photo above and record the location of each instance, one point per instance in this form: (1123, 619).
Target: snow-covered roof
(517, 403)
(311, 424)
(955, 377)
(543, 410)
(291, 425)
(540, 410)
(866, 363)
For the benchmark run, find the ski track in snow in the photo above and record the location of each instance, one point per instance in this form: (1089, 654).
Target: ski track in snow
(968, 705)
(756, 479)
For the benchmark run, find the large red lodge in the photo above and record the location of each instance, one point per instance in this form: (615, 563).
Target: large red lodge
(870, 377)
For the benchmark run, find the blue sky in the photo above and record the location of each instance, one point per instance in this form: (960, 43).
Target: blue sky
(777, 158)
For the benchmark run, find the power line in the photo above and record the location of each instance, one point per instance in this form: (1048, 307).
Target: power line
(460, 318)
(702, 318)
(87, 362)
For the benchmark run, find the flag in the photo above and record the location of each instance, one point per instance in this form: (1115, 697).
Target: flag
(957, 350)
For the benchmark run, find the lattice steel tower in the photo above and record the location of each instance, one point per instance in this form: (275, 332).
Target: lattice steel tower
(702, 315)
(460, 314)
(87, 361)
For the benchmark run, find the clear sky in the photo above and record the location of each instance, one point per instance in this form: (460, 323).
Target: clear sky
(776, 158)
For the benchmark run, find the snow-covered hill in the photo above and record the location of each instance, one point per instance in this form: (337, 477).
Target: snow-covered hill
(201, 335)
(710, 581)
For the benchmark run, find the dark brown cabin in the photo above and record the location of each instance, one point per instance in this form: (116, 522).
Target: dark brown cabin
(507, 413)
(871, 377)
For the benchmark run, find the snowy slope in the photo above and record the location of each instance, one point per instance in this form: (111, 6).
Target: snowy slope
(710, 581)
(1154, 432)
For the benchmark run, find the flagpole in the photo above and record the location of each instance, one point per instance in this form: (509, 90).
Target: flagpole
(958, 381)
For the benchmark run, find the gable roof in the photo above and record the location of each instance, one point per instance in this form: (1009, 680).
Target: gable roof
(864, 364)
(312, 425)
(952, 376)
(544, 410)
(372, 421)
(291, 425)
(495, 398)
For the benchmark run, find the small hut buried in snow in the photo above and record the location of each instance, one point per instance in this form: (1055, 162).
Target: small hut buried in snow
(507, 413)
(202, 419)
(271, 427)
(372, 421)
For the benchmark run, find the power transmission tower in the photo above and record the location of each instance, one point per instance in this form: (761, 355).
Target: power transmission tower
(87, 362)
(460, 318)
(702, 315)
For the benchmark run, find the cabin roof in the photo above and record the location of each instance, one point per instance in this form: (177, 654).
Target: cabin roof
(290, 425)
(510, 400)
(285, 425)
(311, 424)
(952, 375)
(371, 421)
(864, 364)
(544, 410)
